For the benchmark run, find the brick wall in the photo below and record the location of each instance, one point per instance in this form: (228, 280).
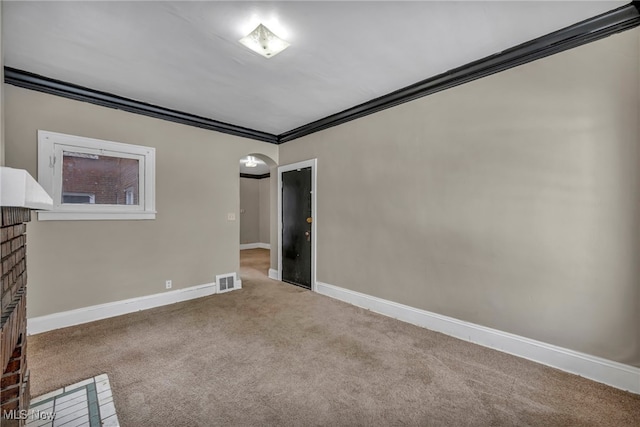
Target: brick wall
(14, 382)
(105, 177)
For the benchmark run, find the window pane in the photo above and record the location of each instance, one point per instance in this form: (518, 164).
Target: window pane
(103, 180)
(78, 198)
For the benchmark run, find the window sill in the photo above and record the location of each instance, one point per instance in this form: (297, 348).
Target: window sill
(92, 216)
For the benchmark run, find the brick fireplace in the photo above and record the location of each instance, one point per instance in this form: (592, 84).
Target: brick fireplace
(14, 383)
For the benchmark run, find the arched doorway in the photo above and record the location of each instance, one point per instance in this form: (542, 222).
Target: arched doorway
(258, 204)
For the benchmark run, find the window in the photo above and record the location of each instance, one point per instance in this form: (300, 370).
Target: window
(94, 179)
(129, 196)
(78, 198)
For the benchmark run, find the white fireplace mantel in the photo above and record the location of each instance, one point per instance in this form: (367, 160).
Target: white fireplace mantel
(19, 189)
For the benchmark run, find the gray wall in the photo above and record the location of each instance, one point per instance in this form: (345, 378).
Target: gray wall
(255, 200)
(75, 264)
(265, 210)
(249, 210)
(510, 202)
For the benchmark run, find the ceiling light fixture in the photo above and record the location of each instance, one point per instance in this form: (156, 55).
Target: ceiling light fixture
(251, 162)
(264, 41)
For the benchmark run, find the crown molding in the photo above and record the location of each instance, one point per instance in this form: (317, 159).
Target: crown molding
(248, 175)
(51, 86)
(587, 31)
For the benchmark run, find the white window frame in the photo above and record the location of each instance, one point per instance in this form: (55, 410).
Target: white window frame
(51, 146)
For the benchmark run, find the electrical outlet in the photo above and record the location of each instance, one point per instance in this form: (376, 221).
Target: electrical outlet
(168, 284)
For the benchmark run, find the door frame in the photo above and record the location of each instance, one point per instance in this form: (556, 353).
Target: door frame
(314, 214)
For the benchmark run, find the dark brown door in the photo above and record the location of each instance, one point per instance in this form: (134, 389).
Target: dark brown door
(296, 227)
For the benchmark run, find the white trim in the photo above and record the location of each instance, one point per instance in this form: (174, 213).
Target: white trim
(37, 325)
(244, 246)
(615, 374)
(313, 163)
(273, 274)
(19, 189)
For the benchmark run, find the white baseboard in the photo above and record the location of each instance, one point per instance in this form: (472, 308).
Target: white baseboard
(273, 274)
(244, 246)
(615, 374)
(37, 325)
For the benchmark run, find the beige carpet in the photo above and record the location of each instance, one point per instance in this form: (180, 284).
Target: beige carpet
(275, 354)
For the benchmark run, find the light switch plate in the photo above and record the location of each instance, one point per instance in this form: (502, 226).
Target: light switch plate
(231, 217)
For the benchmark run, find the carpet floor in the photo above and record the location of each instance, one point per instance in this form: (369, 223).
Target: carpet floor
(276, 354)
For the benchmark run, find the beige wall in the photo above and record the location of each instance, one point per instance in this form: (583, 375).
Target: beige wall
(265, 210)
(511, 202)
(249, 210)
(81, 263)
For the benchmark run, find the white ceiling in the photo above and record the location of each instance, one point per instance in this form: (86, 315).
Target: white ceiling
(186, 55)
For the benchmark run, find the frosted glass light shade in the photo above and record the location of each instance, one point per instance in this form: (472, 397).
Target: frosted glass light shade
(264, 41)
(251, 162)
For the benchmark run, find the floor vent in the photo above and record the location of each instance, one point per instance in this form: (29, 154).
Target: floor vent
(227, 282)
